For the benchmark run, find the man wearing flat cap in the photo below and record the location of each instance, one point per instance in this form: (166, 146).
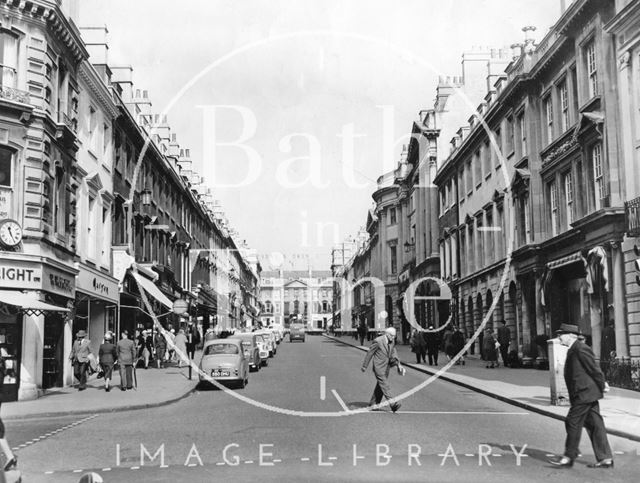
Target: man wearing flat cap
(80, 358)
(585, 384)
(384, 355)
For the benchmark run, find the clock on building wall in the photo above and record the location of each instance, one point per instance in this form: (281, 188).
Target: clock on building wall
(10, 233)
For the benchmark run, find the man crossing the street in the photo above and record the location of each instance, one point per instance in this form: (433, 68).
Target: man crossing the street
(384, 355)
(586, 385)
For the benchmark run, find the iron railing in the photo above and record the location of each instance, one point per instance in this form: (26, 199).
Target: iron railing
(622, 373)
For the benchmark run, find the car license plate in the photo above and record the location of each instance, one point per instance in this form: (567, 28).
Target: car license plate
(219, 373)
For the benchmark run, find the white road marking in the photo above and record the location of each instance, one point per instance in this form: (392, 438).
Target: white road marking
(549, 455)
(618, 452)
(248, 462)
(277, 461)
(333, 458)
(465, 412)
(344, 406)
(469, 454)
(323, 388)
(77, 471)
(106, 469)
(305, 459)
(48, 472)
(135, 468)
(220, 463)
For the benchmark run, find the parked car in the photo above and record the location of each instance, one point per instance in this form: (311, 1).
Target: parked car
(279, 331)
(224, 360)
(263, 348)
(297, 332)
(251, 349)
(271, 341)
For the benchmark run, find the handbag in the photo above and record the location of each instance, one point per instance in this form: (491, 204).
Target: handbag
(93, 364)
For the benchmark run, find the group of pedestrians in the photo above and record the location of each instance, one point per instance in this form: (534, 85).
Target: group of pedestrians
(144, 347)
(493, 343)
(428, 343)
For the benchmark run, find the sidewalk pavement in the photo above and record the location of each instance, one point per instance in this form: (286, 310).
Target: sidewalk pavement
(526, 388)
(156, 387)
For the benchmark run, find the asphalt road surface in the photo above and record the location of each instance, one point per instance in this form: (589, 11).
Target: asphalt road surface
(292, 426)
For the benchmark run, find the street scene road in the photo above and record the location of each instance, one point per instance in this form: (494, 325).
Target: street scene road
(442, 433)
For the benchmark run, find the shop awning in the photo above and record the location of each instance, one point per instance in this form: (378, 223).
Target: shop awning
(152, 289)
(28, 302)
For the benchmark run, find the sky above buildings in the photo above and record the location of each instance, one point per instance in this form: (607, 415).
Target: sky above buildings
(293, 108)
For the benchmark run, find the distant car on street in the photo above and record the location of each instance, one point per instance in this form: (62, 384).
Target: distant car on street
(223, 360)
(263, 348)
(297, 332)
(251, 349)
(278, 329)
(270, 339)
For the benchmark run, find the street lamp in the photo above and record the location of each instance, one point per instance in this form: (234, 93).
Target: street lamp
(408, 246)
(146, 196)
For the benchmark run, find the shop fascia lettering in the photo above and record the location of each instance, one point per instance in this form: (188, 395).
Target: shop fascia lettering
(19, 274)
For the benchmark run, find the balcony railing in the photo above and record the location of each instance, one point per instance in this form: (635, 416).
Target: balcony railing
(632, 217)
(623, 373)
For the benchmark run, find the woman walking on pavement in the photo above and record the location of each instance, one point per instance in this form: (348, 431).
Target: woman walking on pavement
(160, 345)
(108, 356)
(181, 346)
(490, 350)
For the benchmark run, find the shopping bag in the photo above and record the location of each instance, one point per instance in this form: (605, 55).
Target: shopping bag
(93, 364)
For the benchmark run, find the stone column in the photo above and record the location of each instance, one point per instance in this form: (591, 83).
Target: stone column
(617, 262)
(31, 360)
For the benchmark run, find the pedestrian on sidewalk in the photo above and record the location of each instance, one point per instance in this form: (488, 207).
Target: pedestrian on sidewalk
(12, 460)
(362, 332)
(108, 356)
(126, 355)
(160, 347)
(457, 342)
(147, 347)
(490, 349)
(447, 343)
(418, 346)
(432, 341)
(504, 338)
(586, 385)
(80, 358)
(193, 339)
(171, 353)
(181, 346)
(384, 355)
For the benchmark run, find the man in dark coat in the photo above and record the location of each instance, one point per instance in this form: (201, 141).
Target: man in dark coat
(504, 337)
(585, 384)
(384, 355)
(126, 354)
(193, 339)
(432, 340)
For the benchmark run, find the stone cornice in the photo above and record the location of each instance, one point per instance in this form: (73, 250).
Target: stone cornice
(98, 89)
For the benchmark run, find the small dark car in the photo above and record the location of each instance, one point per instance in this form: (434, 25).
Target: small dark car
(297, 332)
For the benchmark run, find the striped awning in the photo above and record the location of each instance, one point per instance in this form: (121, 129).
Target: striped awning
(569, 259)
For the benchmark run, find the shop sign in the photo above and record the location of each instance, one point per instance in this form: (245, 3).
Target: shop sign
(58, 282)
(24, 275)
(97, 284)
